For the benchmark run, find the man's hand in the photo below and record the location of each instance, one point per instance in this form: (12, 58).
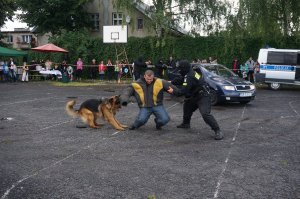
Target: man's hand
(170, 90)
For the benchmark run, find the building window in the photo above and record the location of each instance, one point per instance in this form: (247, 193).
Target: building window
(117, 18)
(140, 24)
(10, 39)
(95, 21)
(26, 38)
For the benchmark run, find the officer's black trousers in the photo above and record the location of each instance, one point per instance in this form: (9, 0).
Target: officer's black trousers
(204, 105)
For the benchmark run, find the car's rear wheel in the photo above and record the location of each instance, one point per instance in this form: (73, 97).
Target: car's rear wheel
(214, 97)
(274, 86)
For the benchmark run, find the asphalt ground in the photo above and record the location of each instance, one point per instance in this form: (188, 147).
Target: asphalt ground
(44, 155)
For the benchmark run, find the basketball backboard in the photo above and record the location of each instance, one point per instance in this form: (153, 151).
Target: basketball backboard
(115, 34)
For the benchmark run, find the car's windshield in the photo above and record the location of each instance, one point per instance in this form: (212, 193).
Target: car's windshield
(219, 70)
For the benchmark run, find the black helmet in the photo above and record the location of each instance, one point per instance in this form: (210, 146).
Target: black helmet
(184, 67)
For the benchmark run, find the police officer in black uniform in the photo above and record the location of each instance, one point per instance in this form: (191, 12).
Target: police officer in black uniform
(197, 96)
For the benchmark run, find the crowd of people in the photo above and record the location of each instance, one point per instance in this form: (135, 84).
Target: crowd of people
(247, 70)
(101, 70)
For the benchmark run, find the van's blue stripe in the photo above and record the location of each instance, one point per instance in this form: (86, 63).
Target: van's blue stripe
(277, 67)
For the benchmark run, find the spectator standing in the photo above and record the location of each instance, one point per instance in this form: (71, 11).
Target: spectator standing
(118, 71)
(25, 72)
(110, 70)
(1, 70)
(235, 66)
(12, 70)
(139, 66)
(70, 72)
(6, 75)
(159, 68)
(102, 70)
(79, 69)
(171, 63)
(256, 69)
(93, 69)
(244, 71)
(64, 68)
(32, 65)
(48, 64)
(250, 73)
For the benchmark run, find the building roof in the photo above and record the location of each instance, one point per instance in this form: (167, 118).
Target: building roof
(17, 30)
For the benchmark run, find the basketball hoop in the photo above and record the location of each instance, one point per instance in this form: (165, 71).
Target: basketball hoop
(115, 34)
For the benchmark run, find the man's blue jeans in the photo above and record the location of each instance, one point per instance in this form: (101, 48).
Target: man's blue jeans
(161, 116)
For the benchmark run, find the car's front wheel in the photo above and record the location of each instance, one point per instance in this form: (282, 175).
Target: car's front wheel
(214, 97)
(274, 86)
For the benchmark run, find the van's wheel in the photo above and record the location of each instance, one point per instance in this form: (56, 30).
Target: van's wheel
(214, 98)
(274, 86)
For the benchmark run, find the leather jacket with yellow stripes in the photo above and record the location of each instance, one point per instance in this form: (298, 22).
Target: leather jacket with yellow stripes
(146, 95)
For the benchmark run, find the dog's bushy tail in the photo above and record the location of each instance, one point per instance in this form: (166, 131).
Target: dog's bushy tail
(70, 108)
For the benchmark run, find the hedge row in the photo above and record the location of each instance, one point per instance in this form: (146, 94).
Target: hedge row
(225, 49)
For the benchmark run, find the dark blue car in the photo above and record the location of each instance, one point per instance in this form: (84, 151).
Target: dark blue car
(225, 85)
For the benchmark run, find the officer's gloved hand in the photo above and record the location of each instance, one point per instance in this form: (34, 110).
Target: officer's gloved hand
(124, 103)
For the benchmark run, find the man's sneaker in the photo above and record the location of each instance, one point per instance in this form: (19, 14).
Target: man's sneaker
(132, 128)
(184, 126)
(219, 135)
(158, 127)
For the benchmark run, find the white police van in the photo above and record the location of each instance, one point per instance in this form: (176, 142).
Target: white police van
(278, 66)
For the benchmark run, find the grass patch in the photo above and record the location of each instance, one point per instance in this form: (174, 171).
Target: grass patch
(90, 83)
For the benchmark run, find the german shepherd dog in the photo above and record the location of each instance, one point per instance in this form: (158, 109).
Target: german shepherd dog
(92, 109)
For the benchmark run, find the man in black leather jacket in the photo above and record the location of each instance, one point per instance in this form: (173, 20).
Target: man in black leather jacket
(196, 92)
(148, 92)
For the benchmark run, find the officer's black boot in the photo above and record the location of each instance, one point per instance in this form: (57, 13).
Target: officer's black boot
(219, 135)
(184, 126)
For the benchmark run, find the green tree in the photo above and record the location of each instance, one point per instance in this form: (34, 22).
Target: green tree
(7, 10)
(54, 15)
(269, 18)
(203, 15)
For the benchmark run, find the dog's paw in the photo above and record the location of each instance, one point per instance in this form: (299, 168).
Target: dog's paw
(121, 129)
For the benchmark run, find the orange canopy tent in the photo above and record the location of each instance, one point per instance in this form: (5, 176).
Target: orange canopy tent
(49, 48)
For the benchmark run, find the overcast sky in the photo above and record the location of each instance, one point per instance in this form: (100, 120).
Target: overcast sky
(9, 25)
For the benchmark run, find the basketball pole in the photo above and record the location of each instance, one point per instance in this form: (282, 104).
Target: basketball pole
(121, 56)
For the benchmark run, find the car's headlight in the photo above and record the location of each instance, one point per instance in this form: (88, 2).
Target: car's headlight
(229, 88)
(252, 87)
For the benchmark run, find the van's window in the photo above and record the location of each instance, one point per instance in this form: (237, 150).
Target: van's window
(282, 58)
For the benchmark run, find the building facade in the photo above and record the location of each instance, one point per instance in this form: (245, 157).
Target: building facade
(19, 38)
(102, 13)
